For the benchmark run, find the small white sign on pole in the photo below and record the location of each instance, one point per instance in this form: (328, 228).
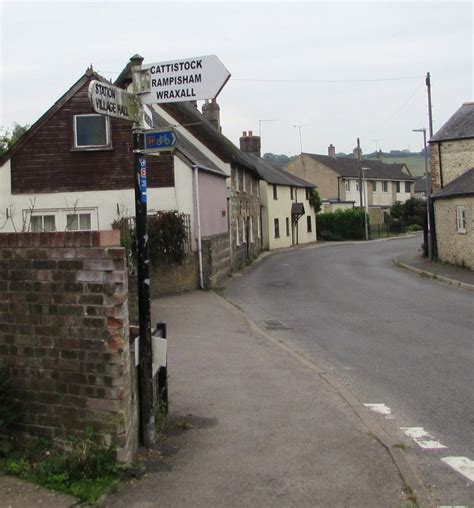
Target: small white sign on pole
(113, 101)
(190, 79)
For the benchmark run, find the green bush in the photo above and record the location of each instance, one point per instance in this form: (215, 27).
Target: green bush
(413, 227)
(413, 211)
(341, 225)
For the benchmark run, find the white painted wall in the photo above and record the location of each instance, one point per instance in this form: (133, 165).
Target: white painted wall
(103, 203)
(281, 209)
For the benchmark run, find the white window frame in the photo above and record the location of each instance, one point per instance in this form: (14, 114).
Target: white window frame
(409, 187)
(60, 216)
(461, 219)
(384, 186)
(259, 232)
(357, 186)
(251, 229)
(244, 186)
(258, 188)
(374, 185)
(92, 147)
(42, 214)
(244, 239)
(348, 185)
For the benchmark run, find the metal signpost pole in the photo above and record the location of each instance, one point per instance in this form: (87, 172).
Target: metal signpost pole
(147, 397)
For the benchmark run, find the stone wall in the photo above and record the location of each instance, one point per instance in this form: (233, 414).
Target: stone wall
(453, 247)
(64, 335)
(453, 157)
(216, 260)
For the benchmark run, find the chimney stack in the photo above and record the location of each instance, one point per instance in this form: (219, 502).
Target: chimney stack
(211, 111)
(332, 151)
(250, 143)
(355, 152)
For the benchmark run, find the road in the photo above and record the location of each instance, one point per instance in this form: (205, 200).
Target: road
(393, 337)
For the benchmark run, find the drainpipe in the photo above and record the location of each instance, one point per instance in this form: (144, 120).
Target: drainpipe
(198, 219)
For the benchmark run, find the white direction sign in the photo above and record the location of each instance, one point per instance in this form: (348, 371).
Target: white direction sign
(112, 101)
(190, 79)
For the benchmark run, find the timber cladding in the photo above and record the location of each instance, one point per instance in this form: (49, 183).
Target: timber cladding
(48, 162)
(64, 335)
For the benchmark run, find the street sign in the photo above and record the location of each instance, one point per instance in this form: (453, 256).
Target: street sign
(112, 101)
(147, 117)
(159, 141)
(190, 79)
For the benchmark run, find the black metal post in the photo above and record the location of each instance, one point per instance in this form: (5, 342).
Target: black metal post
(143, 260)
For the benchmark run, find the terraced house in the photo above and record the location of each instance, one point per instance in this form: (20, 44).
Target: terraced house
(337, 179)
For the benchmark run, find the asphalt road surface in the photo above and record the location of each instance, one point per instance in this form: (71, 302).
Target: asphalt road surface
(395, 338)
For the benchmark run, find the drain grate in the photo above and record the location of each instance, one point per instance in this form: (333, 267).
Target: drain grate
(276, 325)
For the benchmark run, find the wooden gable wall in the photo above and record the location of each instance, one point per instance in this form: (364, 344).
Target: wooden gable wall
(48, 162)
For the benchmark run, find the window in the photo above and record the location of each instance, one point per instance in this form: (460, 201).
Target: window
(78, 222)
(308, 193)
(287, 226)
(357, 186)
(461, 218)
(258, 188)
(397, 184)
(42, 223)
(275, 191)
(291, 193)
(237, 180)
(348, 186)
(91, 131)
(243, 181)
(244, 236)
(277, 228)
(308, 224)
(259, 232)
(374, 186)
(237, 230)
(251, 230)
(384, 186)
(407, 187)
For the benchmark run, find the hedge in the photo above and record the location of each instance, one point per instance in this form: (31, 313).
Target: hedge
(341, 225)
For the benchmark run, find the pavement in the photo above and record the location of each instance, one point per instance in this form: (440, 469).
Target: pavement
(255, 423)
(449, 274)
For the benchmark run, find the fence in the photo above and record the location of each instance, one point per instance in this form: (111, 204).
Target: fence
(386, 230)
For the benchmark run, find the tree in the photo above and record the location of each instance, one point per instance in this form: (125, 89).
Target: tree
(315, 199)
(9, 137)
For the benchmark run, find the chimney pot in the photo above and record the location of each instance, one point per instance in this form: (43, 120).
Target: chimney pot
(244, 134)
(250, 133)
(332, 151)
(250, 143)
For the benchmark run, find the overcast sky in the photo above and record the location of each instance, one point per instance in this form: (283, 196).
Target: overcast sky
(341, 70)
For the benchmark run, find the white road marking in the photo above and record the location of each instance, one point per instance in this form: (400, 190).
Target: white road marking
(462, 465)
(380, 409)
(422, 438)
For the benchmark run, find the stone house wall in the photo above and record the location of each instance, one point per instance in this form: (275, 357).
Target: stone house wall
(64, 335)
(453, 158)
(453, 247)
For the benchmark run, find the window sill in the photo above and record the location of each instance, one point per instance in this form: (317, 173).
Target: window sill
(461, 231)
(93, 149)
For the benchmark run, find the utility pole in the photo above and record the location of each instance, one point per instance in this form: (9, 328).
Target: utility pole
(360, 173)
(147, 410)
(430, 109)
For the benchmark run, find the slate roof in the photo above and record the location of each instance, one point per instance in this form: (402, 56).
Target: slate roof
(459, 126)
(462, 186)
(274, 175)
(184, 146)
(420, 183)
(186, 114)
(378, 170)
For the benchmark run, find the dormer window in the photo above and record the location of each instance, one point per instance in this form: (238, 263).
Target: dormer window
(91, 131)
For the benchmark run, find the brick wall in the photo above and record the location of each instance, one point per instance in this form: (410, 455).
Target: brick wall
(216, 260)
(64, 335)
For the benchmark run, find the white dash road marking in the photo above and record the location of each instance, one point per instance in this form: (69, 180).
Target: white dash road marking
(380, 409)
(462, 465)
(422, 438)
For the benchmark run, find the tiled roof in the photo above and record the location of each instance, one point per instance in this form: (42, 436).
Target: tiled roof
(274, 175)
(348, 167)
(459, 126)
(462, 186)
(420, 183)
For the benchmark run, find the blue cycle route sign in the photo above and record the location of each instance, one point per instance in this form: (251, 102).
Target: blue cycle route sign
(143, 182)
(159, 141)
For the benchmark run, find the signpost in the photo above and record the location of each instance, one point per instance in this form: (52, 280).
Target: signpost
(159, 141)
(112, 101)
(181, 80)
(190, 79)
